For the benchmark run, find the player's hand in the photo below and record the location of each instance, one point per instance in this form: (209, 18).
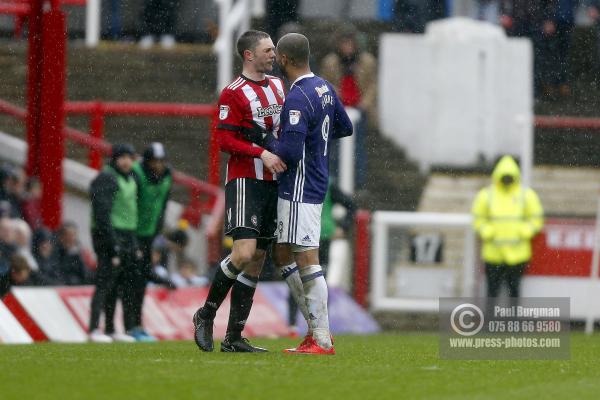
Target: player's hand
(272, 162)
(116, 261)
(593, 13)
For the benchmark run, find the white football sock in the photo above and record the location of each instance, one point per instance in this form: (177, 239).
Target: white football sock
(315, 292)
(292, 277)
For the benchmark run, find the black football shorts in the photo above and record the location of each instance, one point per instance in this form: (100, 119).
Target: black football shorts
(251, 204)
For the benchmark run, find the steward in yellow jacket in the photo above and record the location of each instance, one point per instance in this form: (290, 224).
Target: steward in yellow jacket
(506, 216)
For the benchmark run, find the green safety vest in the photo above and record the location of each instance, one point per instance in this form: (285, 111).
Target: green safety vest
(151, 197)
(123, 215)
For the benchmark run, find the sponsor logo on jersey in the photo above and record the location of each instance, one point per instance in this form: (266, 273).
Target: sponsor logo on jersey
(321, 90)
(295, 117)
(223, 112)
(269, 111)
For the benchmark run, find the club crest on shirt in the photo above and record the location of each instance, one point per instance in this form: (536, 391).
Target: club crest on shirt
(294, 117)
(223, 112)
(254, 220)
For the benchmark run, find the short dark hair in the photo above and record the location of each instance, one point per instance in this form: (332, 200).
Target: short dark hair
(296, 47)
(249, 40)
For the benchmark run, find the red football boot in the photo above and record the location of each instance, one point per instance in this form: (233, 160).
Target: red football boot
(314, 348)
(308, 340)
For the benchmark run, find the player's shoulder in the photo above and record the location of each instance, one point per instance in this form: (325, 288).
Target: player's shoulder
(274, 79)
(232, 91)
(236, 84)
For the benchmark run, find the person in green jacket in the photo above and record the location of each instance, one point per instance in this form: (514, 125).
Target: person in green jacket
(506, 217)
(113, 194)
(154, 179)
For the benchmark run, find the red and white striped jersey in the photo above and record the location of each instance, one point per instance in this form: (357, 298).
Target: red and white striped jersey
(242, 104)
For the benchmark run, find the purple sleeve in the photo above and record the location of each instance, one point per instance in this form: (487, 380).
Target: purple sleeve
(342, 126)
(289, 147)
(294, 128)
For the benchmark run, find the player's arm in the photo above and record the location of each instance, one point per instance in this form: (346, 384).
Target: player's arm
(102, 194)
(342, 126)
(294, 127)
(230, 124)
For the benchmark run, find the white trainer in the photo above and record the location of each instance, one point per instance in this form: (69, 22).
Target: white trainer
(146, 42)
(98, 337)
(122, 338)
(167, 42)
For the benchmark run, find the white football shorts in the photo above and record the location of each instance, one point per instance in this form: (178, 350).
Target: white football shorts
(298, 223)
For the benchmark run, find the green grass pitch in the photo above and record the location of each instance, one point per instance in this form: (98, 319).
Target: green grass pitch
(402, 366)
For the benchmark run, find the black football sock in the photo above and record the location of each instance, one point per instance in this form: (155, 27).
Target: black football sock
(224, 279)
(242, 296)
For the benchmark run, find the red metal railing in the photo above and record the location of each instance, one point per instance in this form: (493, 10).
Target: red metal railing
(203, 197)
(98, 110)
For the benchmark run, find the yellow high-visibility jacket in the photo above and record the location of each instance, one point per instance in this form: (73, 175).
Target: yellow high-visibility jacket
(507, 218)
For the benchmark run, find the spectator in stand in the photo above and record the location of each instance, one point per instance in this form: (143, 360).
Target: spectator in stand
(537, 20)
(22, 241)
(154, 180)
(7, 241)
(159, 257)
(506, 216)
(353, 73)
(17, 273)
(113, 195)
(556, 46)
(187, 276)
(13, 189)
(176, 242)
(158, 21)
(30, 204)
(42, 247)
(73, 269)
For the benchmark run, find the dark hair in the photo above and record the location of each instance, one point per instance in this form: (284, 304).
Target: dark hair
(296, 47)
(66, 225)
(179, 237)
(249, 40)
(18, 263)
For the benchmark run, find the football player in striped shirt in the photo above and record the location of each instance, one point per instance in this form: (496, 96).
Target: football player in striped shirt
(252, 102)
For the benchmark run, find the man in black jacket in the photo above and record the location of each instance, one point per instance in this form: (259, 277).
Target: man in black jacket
(114, 222)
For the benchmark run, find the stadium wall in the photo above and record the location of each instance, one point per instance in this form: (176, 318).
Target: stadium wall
(61, 314)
